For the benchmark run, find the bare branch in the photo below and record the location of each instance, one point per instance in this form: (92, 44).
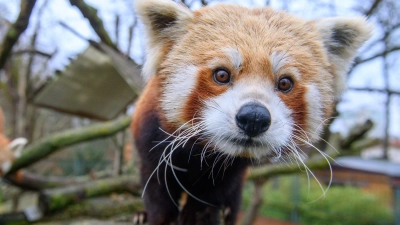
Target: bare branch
(130, 38)
(372, 8)
(357, 133)
(55, 199)
(375, 90)
(255, 203)
(31, 181)
(16, 30)
(90, 13)
(50, 144)
(33, 51)
(358, 61)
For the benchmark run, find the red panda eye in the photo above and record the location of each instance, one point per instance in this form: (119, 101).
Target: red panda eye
(222, 76)
(285, 84)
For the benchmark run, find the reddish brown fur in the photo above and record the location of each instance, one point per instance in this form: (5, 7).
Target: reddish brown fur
(296, 101)
(5, 152)
(144, 107)
(248, 117)
(256, 62)
(205, 89)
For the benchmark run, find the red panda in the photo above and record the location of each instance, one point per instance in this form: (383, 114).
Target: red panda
(9, 150)
(227, 85)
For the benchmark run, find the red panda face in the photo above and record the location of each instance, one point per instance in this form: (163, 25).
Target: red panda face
(247, 82)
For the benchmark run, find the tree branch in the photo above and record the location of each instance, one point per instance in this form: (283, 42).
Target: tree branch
(33, 51)
(30, 181)
(16, 30)
(372, 8)
(381, 54)
(256, 201)
(99, 208)
(53, 199)
(50, 144)
(374, 90)
(90, 13)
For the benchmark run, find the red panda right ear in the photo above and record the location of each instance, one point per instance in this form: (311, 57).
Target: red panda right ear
(165, 22)
(342, 37)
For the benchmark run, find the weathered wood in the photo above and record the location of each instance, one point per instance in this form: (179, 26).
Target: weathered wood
(51, 200)
(16, 30)
(52, 143)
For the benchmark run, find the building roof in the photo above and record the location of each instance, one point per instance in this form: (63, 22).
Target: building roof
(376, 166)
(98, 84)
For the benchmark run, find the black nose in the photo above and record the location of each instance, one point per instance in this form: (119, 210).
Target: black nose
(253, 119)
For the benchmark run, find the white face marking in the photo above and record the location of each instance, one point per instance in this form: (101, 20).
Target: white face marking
(220, 123)
(315, 110)
(235, 57)
(279, 60)
(17, 145)
(177, 88)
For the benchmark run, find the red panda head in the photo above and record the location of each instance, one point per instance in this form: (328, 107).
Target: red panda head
(250, 82)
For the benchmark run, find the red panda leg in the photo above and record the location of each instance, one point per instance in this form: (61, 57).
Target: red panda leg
(159, 204)
(197, 213)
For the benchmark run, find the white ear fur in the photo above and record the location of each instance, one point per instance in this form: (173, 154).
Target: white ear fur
(165, 21)
(5, 167)
(17, 145)
(342, 37)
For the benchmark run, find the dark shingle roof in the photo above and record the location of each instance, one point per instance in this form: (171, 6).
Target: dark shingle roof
(370, 165)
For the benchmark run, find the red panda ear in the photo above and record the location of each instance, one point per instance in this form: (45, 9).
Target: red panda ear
(165, 21)
(342, 37)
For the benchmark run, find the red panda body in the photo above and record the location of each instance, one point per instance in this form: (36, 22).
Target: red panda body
(9, 150)
(215, 181)
(228, 85)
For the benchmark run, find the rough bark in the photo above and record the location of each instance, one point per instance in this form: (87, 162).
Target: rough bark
(54, 199)
(16, 30)
(50, 144)
(31, 181)
(100, 208)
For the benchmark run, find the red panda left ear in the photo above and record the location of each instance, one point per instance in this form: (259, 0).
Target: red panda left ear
(342, 37)
(165, 21)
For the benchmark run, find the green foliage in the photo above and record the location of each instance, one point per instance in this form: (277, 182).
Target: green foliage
(340, 206)
(86, 157)
(1, 194)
